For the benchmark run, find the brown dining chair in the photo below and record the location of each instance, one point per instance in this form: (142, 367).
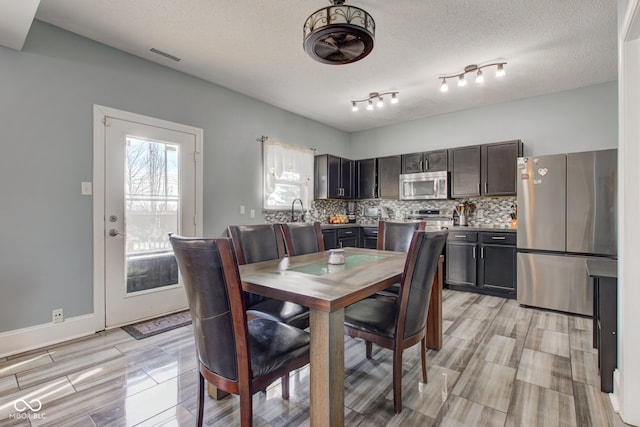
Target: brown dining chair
(395, 236)
(400, 323)
(263, 242)
(302, 238)
(236, 355)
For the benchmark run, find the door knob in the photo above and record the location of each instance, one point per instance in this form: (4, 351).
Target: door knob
(114, 232)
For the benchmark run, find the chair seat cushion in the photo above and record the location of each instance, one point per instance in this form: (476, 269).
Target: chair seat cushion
(274, 344)
(281, 311)
(376, 315)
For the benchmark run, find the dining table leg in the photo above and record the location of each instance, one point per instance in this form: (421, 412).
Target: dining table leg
(327, 368)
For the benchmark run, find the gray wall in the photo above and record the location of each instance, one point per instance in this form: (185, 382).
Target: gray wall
(47, 95)
(576, 120)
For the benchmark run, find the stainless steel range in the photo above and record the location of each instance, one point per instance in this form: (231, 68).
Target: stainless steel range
(435, 219)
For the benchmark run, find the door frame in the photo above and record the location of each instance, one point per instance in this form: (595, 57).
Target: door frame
(99, 114)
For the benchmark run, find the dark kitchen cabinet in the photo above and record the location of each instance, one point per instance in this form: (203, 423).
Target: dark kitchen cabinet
(366, 181)
(483, 262)
(341, 237)
(330, 238)
(369, 237)
(461, 264)
(389, 177)
(484, 170)
(349, 237)
(429, 161)
(497, 262)
(499, 168)
(333, 177)
(464, 165)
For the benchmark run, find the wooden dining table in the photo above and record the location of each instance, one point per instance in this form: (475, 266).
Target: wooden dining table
(326, 289)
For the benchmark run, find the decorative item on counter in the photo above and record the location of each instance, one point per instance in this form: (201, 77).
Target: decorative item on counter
(514, 216)
(464, 210)
(336, 256)
(338, 219)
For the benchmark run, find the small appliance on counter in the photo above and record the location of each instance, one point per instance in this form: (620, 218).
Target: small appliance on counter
(351, 212)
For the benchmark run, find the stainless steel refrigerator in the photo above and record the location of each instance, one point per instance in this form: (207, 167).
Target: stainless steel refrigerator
(566, 215)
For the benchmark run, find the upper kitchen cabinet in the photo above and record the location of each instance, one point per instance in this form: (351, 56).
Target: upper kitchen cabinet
(484, 170)
(499, 168)
(333, 177)
(378, 178)
(429, 161)
(388, 177)
(366, 179)
(464, 165)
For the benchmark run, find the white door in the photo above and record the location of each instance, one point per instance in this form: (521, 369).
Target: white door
(149, 192)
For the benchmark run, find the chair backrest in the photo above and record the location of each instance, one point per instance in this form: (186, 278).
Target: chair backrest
(255, 243)
(212, 282)
(396, 236)
(419, 272)
(302, 237)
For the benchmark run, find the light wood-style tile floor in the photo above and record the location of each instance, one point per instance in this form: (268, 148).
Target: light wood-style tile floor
(500, 365)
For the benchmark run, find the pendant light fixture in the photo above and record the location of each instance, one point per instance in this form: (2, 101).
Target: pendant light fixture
(339, 34)
(477, 69)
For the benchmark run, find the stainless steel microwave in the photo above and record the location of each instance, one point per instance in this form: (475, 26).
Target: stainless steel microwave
(424, 186)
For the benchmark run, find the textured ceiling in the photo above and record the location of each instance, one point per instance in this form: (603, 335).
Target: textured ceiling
(255, 47)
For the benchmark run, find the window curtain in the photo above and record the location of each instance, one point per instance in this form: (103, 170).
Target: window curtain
(287, 175)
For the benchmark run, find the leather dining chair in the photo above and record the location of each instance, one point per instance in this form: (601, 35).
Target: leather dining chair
(400, 323)
(263, 242)
(302, 238)
(236, 355)
(396, 236)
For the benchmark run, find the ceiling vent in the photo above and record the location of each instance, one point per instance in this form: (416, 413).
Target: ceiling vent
(165, 54)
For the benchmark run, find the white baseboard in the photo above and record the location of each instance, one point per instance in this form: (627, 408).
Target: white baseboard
(614, 397)
(33, 337)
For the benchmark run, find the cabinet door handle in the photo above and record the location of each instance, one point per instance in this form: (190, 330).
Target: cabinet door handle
(426, 164)
(486, 187)
(478, 188)
(474, 251)
(482, 252)
(348, 232)
(498, 237)
(421, 166)
(460, 236)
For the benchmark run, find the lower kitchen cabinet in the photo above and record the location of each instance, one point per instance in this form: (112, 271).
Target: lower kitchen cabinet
(482, 262)
(369, 237)
(341, 237)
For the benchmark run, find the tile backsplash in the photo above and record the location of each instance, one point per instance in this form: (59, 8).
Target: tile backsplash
(489, 210)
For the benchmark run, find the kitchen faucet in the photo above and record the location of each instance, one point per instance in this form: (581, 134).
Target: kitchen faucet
(293, 218)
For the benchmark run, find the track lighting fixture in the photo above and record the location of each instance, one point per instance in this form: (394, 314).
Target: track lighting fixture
(377, 97)
(470, 69)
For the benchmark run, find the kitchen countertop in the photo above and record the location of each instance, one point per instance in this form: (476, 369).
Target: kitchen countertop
(485, 227)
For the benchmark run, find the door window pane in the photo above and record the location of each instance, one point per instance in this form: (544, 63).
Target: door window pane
(151, 213)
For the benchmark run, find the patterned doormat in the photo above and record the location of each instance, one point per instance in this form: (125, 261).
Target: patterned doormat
(158, 325)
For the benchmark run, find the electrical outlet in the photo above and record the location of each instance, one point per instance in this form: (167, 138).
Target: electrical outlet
(241, 209)
(252, 213)
(57, 315)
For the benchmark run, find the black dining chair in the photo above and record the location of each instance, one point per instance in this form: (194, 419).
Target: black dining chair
(395, 236)
(302, 238)
(400, 323)
(263, 242)
(236, 355)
